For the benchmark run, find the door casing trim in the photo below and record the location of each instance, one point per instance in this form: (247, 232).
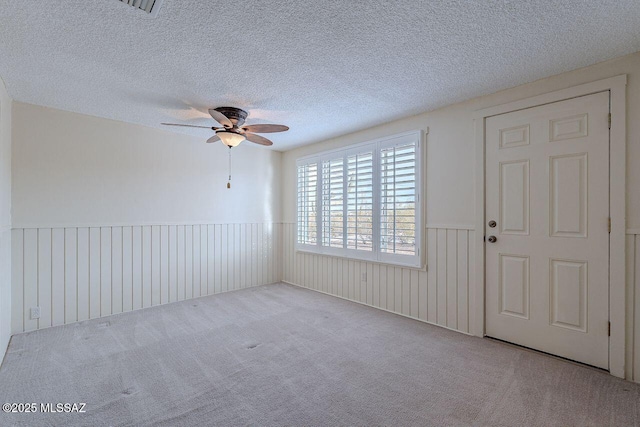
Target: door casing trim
(617, 207)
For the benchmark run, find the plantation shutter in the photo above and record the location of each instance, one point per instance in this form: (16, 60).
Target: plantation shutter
(363, 202)
(333, 203)
(360, 201)
(398, 199)
(307, 203)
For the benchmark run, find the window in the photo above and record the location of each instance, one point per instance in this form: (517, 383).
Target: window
(363, 201)
(397, 199)
(307, 204)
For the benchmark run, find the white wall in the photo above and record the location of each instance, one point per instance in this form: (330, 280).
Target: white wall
(450, 207)
(71, 169)
(110, 217)
(5, 219)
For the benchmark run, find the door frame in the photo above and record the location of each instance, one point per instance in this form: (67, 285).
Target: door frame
(617, 207)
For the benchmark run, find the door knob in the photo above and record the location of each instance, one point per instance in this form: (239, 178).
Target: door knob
(492, 239)
(492, 223)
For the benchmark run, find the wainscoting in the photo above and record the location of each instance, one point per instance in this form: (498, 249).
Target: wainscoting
(80, 273)
(5, 287)
(633, 305)
(439, 295)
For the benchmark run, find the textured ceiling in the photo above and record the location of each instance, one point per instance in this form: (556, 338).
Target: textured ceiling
(323, 67)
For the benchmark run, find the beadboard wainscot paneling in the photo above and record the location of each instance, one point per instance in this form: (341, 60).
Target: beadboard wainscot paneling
(79, 273)
(438, 294)
(5, 287)
(633, 305)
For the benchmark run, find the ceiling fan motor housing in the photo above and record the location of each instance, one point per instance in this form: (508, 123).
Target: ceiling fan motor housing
(236, 115)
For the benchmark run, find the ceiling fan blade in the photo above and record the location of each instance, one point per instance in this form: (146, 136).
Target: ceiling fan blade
(257, 139)
(220, 118)
(265, 128)
(187, 126)
(214, 138)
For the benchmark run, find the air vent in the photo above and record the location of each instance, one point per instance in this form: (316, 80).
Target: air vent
(150, 6)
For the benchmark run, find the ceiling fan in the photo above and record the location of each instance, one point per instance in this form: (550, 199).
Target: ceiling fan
(232, 132)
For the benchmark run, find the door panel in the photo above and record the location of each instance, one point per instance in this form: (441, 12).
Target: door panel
(547, 178)
(514, 197)
(514, 137)
(569, 294)
(514, 285)
(568, 127)
(568, 200)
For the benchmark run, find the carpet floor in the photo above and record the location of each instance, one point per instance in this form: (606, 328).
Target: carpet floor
(281, 355)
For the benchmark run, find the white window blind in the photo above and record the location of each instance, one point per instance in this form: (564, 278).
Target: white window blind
(333, 203)
(360, 201)
(307, 203)
(398, 199)
(363, 201)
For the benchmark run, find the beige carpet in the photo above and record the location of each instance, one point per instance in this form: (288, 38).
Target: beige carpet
(281, 355)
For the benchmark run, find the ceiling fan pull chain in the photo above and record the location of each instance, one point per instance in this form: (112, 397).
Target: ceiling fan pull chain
(229, 182)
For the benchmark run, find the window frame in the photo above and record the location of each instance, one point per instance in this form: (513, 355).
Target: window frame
(375, 146)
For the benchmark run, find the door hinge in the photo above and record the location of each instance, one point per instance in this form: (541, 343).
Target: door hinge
(609, 120)
(609, 224)
(609, 329)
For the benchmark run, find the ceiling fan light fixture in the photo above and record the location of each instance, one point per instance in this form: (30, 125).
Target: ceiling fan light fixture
(230, 139)
(233, 132)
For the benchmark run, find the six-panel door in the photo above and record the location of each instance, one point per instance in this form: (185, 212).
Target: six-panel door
(547, 189)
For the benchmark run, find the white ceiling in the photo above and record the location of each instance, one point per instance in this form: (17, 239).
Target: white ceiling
(323, 67)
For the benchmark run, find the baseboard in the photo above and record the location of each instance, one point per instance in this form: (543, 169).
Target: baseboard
(379, 308)
(5, 348)
(108, 316)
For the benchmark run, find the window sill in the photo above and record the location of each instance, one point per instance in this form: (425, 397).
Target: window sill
(410, 266)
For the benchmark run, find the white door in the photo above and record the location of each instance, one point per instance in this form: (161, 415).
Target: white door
(547, 189)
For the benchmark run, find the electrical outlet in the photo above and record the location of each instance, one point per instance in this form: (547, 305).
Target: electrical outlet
(35, 313)
(363, 276)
